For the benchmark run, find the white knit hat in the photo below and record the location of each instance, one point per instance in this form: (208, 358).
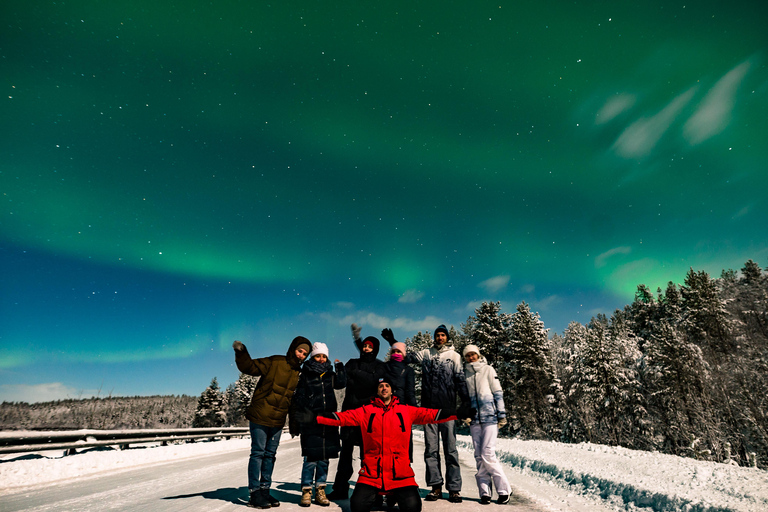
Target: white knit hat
(471, 348)
(319, 348)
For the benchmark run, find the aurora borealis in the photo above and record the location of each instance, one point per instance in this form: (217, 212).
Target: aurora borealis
(177, 175)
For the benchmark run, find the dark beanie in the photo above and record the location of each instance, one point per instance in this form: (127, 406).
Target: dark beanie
(442, 328)
(388, 380)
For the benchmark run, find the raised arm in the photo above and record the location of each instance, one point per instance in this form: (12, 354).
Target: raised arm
(248, 365)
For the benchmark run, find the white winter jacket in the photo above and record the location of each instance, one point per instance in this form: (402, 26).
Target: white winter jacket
(485, 391)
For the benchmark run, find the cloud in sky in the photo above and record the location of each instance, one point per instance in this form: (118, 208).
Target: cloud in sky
(714, 112)
(495, 284)
(401, 324)
(615, 106)
(472, 306)
(548, 302)
(601, 260)
(46, 392)
(410, 296)
(639, 138)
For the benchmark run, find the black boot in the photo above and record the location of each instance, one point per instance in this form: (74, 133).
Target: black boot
(257, 500)
(272, 501)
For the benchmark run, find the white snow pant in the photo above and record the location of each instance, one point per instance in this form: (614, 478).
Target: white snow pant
(489, 469)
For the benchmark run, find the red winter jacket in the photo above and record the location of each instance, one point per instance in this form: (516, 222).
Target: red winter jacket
(386, 431)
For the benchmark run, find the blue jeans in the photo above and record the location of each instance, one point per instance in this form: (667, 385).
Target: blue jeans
(314, 471)
(264, 443)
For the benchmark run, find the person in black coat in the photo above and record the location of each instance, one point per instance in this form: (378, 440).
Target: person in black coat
(363, 376)
(316, 393)
(402, 378)
(401, 375)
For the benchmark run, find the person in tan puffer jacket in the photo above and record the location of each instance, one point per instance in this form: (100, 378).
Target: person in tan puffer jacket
(266, 414)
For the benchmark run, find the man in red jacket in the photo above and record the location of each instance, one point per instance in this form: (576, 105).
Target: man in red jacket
(385, 425)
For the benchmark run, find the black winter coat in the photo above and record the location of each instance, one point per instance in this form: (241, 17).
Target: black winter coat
(315, 392)
(363, 376)
(403, 379)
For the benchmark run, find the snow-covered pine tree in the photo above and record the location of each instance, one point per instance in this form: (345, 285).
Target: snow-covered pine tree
(533, 395)
(210, 407)
(237, 398)
(677, 380)
(671, 304)
(489, 329)
(643, 314)
(578, 418)
(704, 315)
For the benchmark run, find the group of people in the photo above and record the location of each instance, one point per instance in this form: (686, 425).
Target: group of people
(377, 415)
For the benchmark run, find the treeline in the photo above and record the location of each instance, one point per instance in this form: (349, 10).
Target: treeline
(138, 412)
(682, 370)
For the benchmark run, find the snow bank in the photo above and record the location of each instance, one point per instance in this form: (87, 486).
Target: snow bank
(633, 479)
(22, 470)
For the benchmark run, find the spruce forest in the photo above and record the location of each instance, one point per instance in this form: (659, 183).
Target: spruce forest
(682, 371)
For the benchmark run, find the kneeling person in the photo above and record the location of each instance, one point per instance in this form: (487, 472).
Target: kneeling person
(385, 425)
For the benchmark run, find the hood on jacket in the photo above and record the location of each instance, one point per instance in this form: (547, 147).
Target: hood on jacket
(291, 355)
(373, 339)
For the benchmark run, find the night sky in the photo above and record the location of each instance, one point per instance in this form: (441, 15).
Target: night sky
(177, 175)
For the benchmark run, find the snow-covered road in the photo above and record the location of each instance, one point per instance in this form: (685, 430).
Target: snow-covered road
(546, 476)
(217, 482)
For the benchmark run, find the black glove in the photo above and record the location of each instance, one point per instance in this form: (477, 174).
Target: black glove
(387, 335)
(304, 416)
(355, 331)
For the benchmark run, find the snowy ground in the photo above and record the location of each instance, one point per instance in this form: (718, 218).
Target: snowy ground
(623, 479)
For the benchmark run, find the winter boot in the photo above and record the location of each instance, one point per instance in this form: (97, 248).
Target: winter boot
(435, 494)
(306, 497)
(454, 496)
(320, 497)
(272, 501)
(257, 500)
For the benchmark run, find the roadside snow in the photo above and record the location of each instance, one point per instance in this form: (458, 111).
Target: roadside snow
(22, 470)
(633, 480)
(624, 479)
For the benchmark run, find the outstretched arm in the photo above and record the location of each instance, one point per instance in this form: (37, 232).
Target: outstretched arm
(350, 418)
(423, 415)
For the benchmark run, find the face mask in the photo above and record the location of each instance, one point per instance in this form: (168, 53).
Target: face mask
(397, 356)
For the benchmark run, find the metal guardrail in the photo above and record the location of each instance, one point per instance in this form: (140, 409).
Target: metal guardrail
(13, 442)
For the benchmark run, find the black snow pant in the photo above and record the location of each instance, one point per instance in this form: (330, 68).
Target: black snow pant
(364, 497)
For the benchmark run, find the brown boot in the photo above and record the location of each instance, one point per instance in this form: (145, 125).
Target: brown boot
(306, 497)
(435, 494)
(320, 497)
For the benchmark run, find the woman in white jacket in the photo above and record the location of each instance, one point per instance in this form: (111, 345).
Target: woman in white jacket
(486, 396)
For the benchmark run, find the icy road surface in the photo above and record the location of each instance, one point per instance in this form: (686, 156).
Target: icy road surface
(217, 482)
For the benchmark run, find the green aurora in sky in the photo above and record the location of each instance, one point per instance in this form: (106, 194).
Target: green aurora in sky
(286, 168)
